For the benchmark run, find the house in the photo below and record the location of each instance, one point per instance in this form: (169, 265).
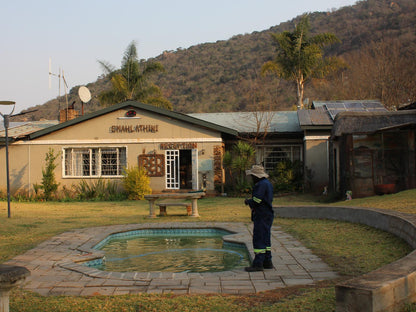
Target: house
(317, 124)
(373, 152)
(276, 135)
(184, 152)
(301, 135)
(178, 151)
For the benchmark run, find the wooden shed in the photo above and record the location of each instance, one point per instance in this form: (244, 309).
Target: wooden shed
(373, 152)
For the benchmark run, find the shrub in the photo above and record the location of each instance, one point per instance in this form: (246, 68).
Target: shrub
(136, 183)
(287, 176)
(36, 189)
(98, 190)
(85, 191)
(236, 163)
(49, 184)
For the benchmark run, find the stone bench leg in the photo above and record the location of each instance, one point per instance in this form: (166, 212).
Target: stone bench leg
(195, 207)
(152, 212)
(4, 300)
(162, 210)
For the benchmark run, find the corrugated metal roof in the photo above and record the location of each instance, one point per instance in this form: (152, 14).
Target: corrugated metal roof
(314, 117)
(20, 129)
(245, 122)
(12, 124)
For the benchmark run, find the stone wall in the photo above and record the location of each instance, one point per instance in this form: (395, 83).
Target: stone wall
(385, 289)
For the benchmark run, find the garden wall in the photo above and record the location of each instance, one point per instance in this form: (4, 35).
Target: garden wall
(385, 289)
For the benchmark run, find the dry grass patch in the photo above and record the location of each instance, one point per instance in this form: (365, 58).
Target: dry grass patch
(349, 248)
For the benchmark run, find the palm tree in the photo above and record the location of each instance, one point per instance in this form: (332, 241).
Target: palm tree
(300, 56)
(238, 161)
(132, 81)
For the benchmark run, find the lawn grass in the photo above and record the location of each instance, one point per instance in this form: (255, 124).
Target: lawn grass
(403, 202)
(350, 249)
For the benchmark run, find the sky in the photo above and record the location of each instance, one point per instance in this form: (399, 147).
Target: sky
(74, 35)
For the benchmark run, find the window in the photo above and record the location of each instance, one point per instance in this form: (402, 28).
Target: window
(94, 162)
(275, 154)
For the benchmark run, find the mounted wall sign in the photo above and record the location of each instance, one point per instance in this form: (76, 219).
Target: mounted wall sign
(134, 128)
(178, 146)
(153, 164)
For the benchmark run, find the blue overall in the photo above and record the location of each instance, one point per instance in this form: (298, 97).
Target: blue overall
(262, 217)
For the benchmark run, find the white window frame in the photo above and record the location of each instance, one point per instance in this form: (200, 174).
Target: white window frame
(194, 156)
(95, 164)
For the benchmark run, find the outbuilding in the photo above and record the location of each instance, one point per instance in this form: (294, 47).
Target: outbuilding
(373, 152)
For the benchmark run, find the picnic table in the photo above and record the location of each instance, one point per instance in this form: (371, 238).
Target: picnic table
(193, 196)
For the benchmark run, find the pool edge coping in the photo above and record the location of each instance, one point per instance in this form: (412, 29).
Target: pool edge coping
(88, 253)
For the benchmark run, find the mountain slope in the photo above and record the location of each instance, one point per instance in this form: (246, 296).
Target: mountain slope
(225, 75)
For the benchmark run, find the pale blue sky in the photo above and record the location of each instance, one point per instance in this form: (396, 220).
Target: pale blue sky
(75, 34)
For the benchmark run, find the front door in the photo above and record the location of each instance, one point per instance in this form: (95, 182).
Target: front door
(181, 169)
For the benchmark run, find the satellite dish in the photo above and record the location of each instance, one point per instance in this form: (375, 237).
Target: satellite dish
(84, 94)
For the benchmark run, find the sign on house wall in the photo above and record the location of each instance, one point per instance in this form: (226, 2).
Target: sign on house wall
(134, 128)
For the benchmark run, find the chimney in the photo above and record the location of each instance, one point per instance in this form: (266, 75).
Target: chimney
(67, 114)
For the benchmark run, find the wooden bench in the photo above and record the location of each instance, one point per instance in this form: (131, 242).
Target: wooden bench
(163, 205)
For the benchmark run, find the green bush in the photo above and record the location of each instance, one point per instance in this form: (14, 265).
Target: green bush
(98, 190)
(136, 183)
(49, 184)
(36, 189)
(287, 176)
(236, 163)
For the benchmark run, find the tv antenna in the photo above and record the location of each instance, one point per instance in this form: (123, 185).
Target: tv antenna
(60, 76)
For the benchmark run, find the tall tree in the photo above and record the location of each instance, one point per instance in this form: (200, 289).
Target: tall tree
(300, 56)
(132, 81)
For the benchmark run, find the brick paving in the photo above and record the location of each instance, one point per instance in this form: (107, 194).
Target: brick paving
(56, 266)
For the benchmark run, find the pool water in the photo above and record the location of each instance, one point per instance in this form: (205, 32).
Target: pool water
(172, 250)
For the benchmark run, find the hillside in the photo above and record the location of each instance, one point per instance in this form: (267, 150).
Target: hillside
(378, 43)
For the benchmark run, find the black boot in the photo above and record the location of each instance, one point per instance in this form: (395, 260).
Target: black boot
(257, 264)
(268, 264)
(253, 269)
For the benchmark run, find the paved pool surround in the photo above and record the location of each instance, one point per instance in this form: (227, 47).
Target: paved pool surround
(57, 268)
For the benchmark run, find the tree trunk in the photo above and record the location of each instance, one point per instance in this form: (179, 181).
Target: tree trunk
(299, 95)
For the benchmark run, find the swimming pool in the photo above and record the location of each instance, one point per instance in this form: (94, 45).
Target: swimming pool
(170, 250)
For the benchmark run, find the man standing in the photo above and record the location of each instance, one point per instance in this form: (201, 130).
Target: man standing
(262, 216)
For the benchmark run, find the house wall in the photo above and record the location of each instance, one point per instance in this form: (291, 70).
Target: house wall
(147, 134)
